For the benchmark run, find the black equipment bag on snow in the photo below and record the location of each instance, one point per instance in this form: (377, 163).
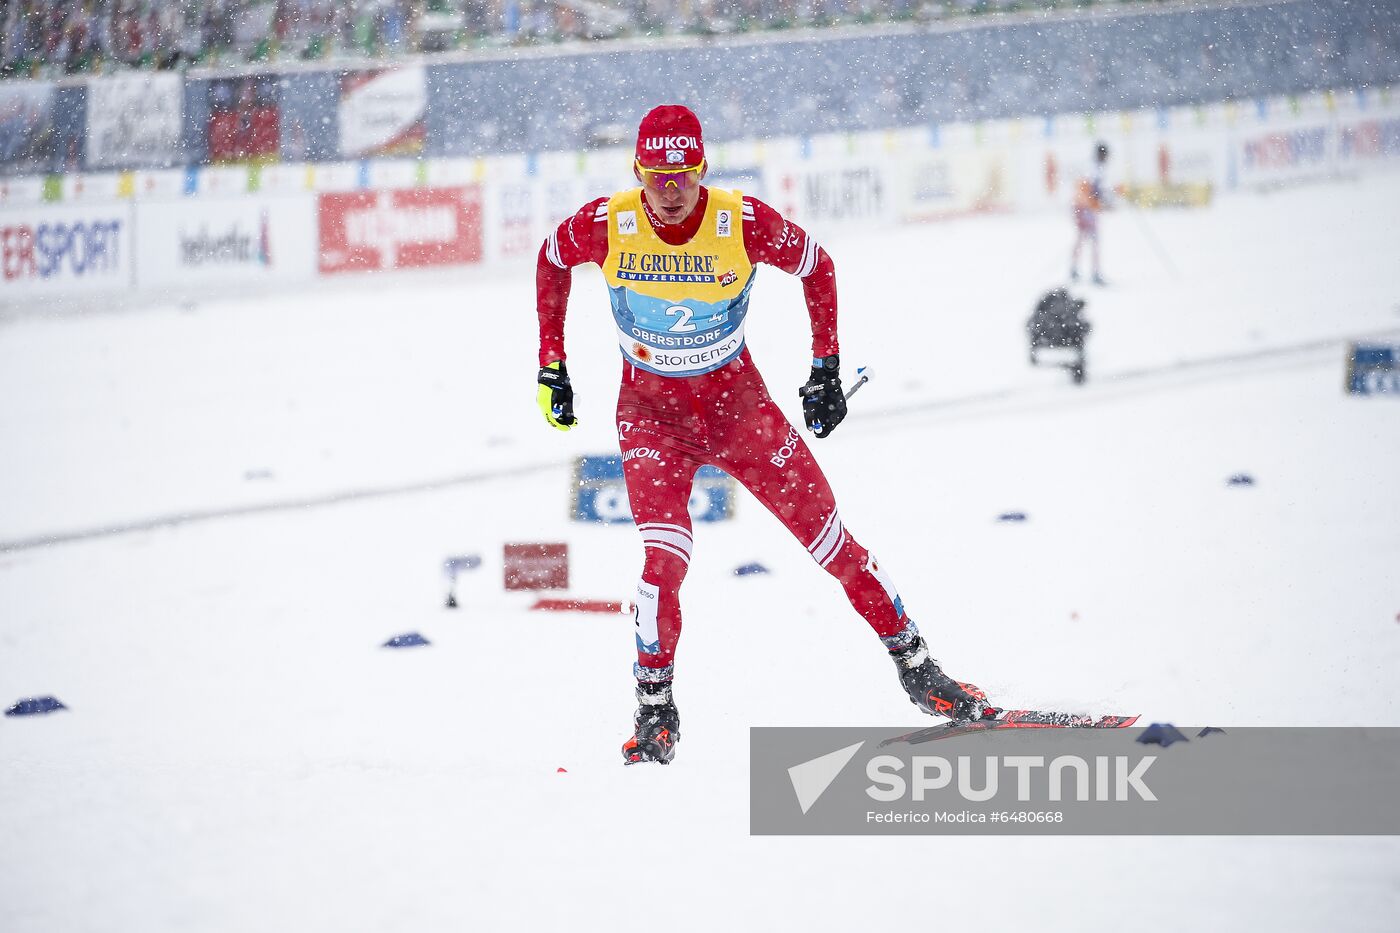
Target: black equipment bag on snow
(1057, 321)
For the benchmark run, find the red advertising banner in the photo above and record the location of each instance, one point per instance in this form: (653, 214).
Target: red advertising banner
(405, 229)
(536, 566)
(244, 119)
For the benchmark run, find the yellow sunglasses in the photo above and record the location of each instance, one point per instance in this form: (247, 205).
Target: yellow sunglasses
(659, 179)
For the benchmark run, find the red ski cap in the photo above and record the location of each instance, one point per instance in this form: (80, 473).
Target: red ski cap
(669, 137)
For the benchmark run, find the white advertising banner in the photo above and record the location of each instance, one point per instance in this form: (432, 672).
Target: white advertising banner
(91, 186)
(1303, 150)
(222, 181)
(513, 231)
(826, 195)
(334, 176)
(225, 227)
(286, 178)
(1365, 140)
(159, 183)
(941, 184)
(1191, 156)
(134, 121)
(226, 241)
(382, 112)
(24, 190)
(1264, 156)
(64, 248)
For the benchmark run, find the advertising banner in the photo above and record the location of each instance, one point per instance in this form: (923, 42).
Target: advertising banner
(336, 176)
(63, 248)
(1179, 164)
(600, 493)
(159, 183)
(535, 566)
(1311, 140)
(562, 197)
(1190, 158)
(942, 184)
(1368, 140)
(230, 241)
(23, 190)
(91, 186)
(515, 224)
(26, 127)
(134, 121)
(821, 196)
(383, 113)
(562, 192)
(1270, 156)
(745, 179)
(281, 178)
(404, 229)
(244, 119)
(1373, 369)
(220, 180)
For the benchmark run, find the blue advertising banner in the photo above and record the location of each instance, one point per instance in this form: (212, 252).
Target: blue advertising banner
(600, 494)
(1374, 369)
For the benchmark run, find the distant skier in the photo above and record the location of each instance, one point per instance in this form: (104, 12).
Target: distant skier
(1090, 198)
(679, 259)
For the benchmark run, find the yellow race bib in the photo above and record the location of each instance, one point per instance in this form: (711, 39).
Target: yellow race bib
(679, 309)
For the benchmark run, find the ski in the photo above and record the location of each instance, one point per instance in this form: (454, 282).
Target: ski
(1013, 719)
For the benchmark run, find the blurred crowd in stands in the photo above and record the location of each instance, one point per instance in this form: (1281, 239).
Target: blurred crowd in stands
(51, 38)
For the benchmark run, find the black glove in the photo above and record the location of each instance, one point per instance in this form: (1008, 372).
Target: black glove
(823, 402)
(556, 396)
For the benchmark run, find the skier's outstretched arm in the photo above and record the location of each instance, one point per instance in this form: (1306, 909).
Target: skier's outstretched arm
(771, 238)
(582, 238)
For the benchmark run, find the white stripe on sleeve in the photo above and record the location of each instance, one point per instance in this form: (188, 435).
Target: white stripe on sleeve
(809, 259)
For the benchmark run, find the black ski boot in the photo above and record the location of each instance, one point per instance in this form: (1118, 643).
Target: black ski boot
(657, 723)
(935, 692)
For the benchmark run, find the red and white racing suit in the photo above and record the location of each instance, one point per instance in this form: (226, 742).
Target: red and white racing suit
(669, 426)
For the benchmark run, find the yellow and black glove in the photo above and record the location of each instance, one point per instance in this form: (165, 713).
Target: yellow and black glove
(556, 396)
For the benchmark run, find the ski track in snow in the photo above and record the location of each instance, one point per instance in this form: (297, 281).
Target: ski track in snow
(240, 754)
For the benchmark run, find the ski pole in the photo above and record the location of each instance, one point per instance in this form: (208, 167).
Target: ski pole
(864, 372)
(1152, 239)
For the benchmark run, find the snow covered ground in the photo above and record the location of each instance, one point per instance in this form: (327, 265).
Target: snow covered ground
(240, 754)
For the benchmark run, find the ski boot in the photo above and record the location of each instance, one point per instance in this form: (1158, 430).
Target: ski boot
(657, 725)
(935, 692)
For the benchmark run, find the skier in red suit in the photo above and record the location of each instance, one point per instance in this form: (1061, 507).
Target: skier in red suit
(679, 259)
